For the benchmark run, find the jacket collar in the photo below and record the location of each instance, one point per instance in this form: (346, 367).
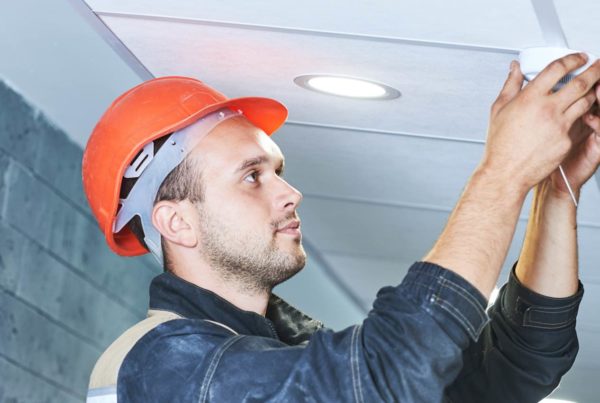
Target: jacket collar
(283, 322)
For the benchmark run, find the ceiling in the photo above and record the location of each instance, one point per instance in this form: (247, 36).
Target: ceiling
(379, 177)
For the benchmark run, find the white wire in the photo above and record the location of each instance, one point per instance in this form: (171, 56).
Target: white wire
(562, 172)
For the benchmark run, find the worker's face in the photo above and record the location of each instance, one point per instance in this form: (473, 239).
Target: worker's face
(243, 209)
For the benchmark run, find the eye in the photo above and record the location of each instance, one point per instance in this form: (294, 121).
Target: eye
(253, 175)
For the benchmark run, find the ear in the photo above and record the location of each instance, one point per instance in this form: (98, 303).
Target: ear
(173, 221)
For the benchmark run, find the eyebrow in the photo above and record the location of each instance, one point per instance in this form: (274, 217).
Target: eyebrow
(258, 161)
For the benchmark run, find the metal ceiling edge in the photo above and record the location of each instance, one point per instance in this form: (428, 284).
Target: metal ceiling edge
(312, 32)
(384, 132)
(329, 272)
(86, 12)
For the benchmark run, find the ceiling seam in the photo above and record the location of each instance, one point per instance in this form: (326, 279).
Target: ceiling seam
(384, 132)
(312, 32)
(412, 206)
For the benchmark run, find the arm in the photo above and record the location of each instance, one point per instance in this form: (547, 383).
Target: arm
(529, 135)
(531, 341)
(548, 262)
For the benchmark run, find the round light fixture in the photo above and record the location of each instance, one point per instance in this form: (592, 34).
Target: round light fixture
(344, 86)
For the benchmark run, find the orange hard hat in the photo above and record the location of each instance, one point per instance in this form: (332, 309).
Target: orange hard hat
(143, 114)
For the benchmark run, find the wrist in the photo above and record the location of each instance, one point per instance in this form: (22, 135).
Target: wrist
(559, 193)
(500, 181)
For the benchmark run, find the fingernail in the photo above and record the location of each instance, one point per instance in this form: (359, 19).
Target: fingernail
(584, 55)
(513, 64)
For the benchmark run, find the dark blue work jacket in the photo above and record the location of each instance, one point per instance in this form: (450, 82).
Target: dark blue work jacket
(428, 339)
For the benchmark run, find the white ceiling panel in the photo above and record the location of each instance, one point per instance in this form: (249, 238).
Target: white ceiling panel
(446, 92)
(390, 169)
(404, 234)
(507, 24)
(360, 229)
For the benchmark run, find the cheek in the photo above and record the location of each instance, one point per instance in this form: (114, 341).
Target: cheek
(247, 208)
(243, 213)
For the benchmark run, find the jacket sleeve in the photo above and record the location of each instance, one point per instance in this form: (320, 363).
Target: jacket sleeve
(408, 349)
(524, 351)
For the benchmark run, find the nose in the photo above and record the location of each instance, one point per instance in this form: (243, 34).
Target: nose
(288, 198)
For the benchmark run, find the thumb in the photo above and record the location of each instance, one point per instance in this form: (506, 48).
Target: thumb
(511, 87)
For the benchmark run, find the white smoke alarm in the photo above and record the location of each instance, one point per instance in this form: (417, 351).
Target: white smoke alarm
(534, 60)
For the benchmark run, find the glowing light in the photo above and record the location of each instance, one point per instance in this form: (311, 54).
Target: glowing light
(347, 87)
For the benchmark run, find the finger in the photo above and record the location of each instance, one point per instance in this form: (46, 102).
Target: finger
(579, 86)
(547, 79)
(593, 122)
(580, 107)
(582, 160)
(512, 86)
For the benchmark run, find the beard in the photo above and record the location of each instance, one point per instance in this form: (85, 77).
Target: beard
(250, 259)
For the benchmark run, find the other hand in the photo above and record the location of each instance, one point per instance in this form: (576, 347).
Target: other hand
(584, 159)
(530, 128)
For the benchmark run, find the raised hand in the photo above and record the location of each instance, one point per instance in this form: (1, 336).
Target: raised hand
(530, 129)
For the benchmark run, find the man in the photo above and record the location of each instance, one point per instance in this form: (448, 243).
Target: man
(176, 168)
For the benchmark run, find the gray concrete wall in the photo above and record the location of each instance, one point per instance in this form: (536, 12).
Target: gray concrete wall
(64, 296)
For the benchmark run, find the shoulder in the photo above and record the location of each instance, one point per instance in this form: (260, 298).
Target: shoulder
(174, 361)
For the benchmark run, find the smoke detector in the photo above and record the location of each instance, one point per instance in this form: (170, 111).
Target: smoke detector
(534, 60)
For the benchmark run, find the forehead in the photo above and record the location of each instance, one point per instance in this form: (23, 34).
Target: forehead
(234, 141)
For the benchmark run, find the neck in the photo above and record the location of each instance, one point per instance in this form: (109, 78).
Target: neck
(241, 295)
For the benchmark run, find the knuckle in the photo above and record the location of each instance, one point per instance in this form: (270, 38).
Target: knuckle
(580, 84)
(501, 100)
(559, 65)
(526, 95)
(548, 112)
(497, 105)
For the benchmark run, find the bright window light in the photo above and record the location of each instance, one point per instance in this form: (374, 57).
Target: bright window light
(346, 86)
(556, 401)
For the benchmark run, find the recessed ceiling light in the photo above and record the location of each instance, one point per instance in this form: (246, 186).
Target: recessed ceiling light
(344, 86)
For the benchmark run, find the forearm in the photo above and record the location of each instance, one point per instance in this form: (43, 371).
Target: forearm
(479, 231)
(548, 261)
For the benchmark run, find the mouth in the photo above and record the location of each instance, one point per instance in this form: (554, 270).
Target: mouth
(292, 228)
